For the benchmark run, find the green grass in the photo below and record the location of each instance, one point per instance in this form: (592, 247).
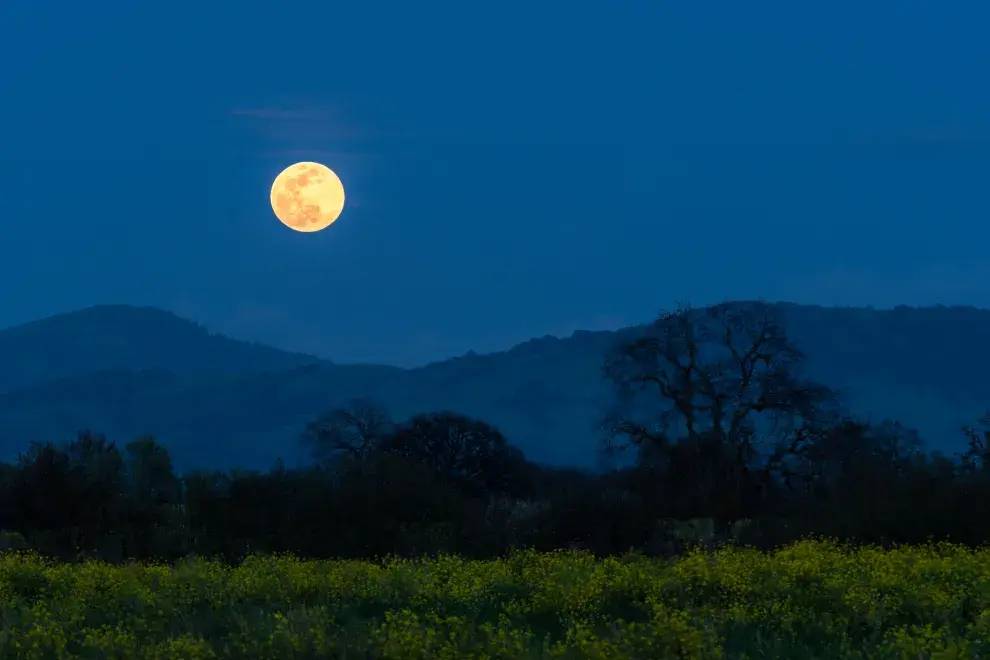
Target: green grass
(813, 599)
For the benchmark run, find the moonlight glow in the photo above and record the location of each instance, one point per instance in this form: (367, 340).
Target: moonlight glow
(307, 197)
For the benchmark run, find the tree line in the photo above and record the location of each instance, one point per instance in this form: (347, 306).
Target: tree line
(721, 438)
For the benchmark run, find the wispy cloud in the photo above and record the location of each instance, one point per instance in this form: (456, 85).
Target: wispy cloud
(274, 113)
(308, 131)
(343, 127)
(301, 126)
(303, 154)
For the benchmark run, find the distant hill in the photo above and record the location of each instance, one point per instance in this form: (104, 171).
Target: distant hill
(216, 402)
(121, 337)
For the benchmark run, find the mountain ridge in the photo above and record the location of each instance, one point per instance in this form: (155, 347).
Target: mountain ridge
(137, 337)
(217, 402)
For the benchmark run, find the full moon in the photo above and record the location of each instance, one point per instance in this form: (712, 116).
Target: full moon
(307, 197)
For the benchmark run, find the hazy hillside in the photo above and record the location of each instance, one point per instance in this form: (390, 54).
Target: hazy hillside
(217, 402)
(115, 337)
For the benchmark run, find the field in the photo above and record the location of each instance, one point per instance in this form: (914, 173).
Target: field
(813, 599)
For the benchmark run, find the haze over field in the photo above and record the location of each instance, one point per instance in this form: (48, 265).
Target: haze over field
(219, 403)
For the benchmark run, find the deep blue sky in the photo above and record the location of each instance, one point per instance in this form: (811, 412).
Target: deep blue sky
(513, 169)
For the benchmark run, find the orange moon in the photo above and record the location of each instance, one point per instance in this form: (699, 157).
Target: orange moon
(307, 197)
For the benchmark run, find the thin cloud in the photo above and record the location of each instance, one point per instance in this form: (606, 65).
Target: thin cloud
(273, 113)
(335, 122)
(319, 155)
(307, 132)
(314, 126)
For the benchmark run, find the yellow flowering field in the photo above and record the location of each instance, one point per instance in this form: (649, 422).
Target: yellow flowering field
(813, 599)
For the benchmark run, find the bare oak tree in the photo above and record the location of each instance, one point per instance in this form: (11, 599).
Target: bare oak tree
(715, 383)
(354, 431)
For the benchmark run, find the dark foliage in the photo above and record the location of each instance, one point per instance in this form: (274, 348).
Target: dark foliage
(731, 441)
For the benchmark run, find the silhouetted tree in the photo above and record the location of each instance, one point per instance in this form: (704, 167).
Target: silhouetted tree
(354, 430)
(207, 497)
(824, 463)
(976, 458)
(68, 498)
(466, 453)
(700, 392)
(97, 468)
(388, 503)
(709, 374)
(156, 524)
(851, 481)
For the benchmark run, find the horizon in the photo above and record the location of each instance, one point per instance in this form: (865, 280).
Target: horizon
(215, 332)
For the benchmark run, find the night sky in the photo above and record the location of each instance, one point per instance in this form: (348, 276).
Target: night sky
(512, 169)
